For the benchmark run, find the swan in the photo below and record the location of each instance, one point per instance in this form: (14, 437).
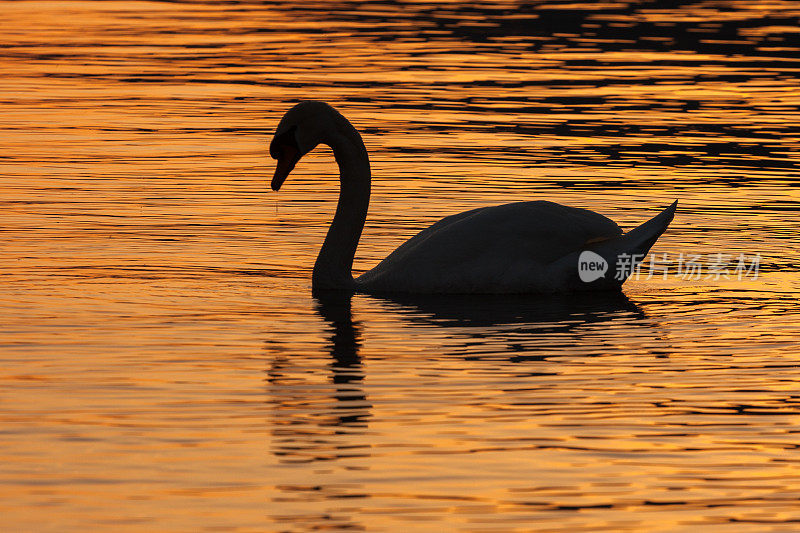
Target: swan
(522, 247)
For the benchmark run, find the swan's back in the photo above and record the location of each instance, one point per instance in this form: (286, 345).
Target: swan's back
(503, 248)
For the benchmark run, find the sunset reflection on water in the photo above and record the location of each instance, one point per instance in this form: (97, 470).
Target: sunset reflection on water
(166, 367)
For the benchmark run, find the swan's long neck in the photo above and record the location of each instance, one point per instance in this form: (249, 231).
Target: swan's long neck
(335, 260)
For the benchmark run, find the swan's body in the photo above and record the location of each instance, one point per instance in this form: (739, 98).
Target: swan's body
(498, 249)
(512, 248)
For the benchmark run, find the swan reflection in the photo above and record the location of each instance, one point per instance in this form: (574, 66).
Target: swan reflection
(518, 328)
(555, 312)
(346, 369)
(322, 411)
(315, 410)
(316, 416)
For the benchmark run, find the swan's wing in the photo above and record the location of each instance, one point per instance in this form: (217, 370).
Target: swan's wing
(491, 249)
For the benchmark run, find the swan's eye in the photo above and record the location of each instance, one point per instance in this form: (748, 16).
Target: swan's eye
(277, 150)
(284, 144)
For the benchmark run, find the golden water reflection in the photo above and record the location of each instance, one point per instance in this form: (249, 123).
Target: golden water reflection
(165, 366)
(558, 385)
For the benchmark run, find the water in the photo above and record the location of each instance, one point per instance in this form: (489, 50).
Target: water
(165, 367)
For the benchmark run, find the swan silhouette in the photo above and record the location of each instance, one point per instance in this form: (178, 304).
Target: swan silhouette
(523, 247)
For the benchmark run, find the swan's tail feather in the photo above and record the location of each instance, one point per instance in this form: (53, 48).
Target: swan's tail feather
(606, 264)
(626, 251)
(640, 239)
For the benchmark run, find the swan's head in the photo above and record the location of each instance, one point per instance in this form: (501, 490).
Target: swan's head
(300, 130)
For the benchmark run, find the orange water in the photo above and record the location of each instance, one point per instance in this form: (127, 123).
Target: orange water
(165, 368)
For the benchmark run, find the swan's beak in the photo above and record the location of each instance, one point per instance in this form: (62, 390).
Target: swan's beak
(288, 158)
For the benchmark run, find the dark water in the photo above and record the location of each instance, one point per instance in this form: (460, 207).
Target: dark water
(164, 365)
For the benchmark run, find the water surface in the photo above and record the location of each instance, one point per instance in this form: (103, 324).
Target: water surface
(164, 365)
